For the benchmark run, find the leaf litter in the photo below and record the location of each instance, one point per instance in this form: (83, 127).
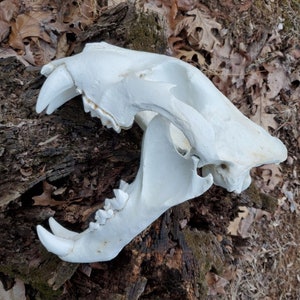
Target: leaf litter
(251, 51)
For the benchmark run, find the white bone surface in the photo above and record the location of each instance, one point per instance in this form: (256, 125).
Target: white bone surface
(188, 124)
(149, 197)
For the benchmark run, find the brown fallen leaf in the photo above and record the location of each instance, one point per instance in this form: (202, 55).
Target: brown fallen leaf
(8, 8)
(45, 198)
(29, 25)
(200, 29)
(234, 225)
(272, 176)
(259, 108)
(215, 284)
(241, 224)
(4, 30)
(277, 78)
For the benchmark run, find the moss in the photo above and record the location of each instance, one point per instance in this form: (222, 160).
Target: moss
(253, 194)
(46, 279)
(208, 254)
(260, 200)
(145, 34)
(269, 203)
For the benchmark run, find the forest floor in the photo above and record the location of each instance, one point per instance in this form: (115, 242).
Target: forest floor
(251, 52)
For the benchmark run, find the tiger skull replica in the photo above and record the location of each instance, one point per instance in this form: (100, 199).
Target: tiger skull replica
(188, 125)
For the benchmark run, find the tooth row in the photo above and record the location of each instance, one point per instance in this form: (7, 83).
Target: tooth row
(96, 111)
(110, 205)
(118, 202)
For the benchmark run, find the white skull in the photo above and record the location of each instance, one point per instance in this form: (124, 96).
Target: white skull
(188, 124)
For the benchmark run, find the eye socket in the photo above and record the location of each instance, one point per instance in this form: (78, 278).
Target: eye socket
(223, 166)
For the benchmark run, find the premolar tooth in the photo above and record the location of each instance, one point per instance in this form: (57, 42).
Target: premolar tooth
(93, 226)
(102, 215)
(107, 204)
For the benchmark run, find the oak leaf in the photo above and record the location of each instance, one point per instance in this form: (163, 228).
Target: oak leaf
(200, 28)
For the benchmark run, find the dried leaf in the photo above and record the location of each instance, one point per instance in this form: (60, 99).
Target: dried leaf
(255, 78)
(234, 225)
(277, 78)
(45, 198)
(62, 46)
(215, 284)
(26, 172)
(28, 26)
(271, 175)
(241, 224)
(8, 52)
(191, 56)
(8, 9)
(260, 103)
(4, 30)
(43, 52)
(16, 292)
(200, 28)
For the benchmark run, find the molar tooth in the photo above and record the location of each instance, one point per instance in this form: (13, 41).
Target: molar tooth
(107, 204)
(119, 202)
(123, 185)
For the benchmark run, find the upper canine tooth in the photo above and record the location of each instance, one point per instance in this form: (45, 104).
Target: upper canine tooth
(58, 89)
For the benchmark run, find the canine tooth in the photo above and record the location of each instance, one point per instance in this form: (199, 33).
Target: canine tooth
(57, 90)
(61, 231)
(57, 245)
